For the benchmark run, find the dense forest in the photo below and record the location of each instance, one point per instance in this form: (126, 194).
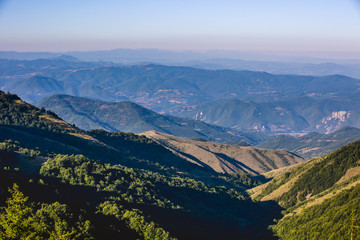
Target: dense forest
(15, 112)
(145, 204)
(335, 218)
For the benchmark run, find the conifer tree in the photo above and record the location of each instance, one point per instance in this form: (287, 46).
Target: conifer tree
(16, 220)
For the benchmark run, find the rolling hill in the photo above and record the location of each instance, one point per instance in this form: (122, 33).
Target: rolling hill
(167, 89)
(111, 184)
(251, 116)
(299, 115)
(224, 158)
(130, 117)
(242, 100)
(313, 144)
(40, 129)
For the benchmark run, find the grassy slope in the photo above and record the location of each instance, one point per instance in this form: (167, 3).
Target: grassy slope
(314, 195)
(225, 158)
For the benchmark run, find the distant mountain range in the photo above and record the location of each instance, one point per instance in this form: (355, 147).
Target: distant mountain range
(163, 88)
(241, 100)
(212, 60)
(130, 117)
(304, 114)
(225, 158)
(313, 144)
(318, 68)
(241, 115)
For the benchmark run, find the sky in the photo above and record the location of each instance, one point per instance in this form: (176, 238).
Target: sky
(327, 26)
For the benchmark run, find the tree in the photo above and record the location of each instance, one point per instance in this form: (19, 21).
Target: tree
(17, 220)
(62, 231)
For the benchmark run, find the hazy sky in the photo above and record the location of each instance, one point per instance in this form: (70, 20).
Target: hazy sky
(250, 25)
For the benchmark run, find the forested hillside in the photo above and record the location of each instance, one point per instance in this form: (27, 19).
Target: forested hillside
(321, 197)
(97, 184)
(298, 115)
(313, 144)
(127, 116)
(164, 89)
(241, 100)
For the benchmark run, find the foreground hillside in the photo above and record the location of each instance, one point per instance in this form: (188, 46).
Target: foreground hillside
(321, 196)
(224, 158)
(97, 184)
(43, 130)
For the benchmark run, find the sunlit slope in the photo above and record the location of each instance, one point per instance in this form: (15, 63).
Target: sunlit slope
(225, 158)
(320, 196)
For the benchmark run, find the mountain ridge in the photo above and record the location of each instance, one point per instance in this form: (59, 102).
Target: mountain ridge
(313, 144)
(224, 158)
(187, 92)
(299, 115)
(121, 180)
(127, 116)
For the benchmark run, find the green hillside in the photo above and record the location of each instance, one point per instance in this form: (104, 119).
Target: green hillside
(321, 197)
(335, 218)
(129, 117)
(97, 184)
(244, 115)
(15, 112)
(298, 115)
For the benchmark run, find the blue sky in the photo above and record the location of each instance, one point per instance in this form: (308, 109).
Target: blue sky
(257, 25)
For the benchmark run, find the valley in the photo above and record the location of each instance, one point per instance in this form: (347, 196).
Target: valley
(127, 116)
(179, 120)
(128, 177)
(244, 101)
(163, 152)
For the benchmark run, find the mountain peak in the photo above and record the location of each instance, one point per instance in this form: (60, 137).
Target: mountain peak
(67, 58)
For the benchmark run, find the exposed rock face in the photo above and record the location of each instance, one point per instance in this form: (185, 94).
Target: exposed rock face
(333, 121)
